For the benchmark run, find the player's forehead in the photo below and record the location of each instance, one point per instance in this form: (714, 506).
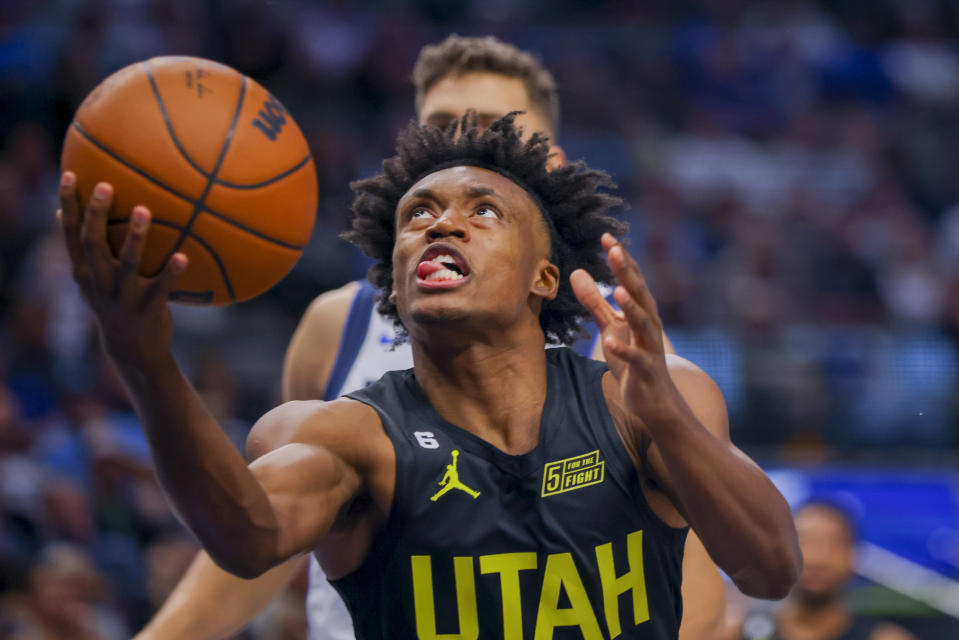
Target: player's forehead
(490, 95)
(470, 183)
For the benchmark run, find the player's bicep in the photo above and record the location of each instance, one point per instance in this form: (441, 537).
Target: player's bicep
(308, 485)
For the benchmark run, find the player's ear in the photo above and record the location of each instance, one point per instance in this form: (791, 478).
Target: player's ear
(546, 283)
(557, 157)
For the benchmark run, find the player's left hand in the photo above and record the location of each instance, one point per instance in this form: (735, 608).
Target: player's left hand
(632, 338)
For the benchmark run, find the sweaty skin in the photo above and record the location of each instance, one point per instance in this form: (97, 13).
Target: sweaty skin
(309, 361)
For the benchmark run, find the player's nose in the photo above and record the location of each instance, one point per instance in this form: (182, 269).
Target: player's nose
(451, 223)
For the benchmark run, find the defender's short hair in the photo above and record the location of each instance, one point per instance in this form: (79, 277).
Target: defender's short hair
(572, 199)
(458, 55)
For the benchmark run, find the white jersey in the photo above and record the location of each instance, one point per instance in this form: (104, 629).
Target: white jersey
(366, 352)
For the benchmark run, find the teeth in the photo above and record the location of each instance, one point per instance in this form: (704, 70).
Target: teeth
(445, 259)
(444, 274)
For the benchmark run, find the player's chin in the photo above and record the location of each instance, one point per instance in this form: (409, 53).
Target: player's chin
(436, 313)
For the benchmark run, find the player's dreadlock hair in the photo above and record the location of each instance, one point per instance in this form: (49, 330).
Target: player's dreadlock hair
(570, 198)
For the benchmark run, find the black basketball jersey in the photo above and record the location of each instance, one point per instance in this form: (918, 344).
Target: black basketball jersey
(555, 543)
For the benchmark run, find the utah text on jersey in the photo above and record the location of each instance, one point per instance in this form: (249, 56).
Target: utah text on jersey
(561, 586)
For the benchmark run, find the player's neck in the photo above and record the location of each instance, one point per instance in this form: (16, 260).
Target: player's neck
(494, 389)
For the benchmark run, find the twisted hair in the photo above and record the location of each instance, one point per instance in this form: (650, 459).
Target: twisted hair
(572, 199)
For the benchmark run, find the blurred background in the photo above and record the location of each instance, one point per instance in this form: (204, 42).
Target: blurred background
(793, 174)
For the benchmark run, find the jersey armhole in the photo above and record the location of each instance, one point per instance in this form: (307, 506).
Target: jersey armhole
(612, 439)
(354, 331)
(402, 462)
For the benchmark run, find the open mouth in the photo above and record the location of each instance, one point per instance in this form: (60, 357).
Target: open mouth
(441, 265)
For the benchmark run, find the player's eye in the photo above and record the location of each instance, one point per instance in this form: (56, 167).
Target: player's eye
(487, 212)
(419, 212)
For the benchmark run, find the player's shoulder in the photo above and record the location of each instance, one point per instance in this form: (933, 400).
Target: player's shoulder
(342, 425)
(312, 351)
(700, 392)
(688, 375)
(333, 306)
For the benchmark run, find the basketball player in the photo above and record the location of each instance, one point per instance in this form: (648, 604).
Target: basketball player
(581, 479)
(816, 609)
(343, 344)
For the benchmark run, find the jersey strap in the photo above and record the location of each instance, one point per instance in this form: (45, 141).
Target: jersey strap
(357, 322)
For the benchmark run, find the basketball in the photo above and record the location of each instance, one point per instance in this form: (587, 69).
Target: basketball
(219, 162)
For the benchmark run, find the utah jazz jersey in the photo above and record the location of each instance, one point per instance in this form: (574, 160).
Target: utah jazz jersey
(366, 352)
(555, 543)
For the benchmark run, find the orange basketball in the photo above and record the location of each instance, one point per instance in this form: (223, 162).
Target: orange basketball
(219, 162)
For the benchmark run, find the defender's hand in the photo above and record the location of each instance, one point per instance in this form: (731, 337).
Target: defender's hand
(131, 310)
(633, 337)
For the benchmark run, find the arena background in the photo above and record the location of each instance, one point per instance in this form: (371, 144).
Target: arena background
(793, 175)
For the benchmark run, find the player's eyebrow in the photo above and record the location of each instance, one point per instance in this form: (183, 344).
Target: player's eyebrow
(474, 191)
(422, 194)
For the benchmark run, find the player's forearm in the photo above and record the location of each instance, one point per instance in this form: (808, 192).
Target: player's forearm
(735, 509)
(206, 588)
(205, 477)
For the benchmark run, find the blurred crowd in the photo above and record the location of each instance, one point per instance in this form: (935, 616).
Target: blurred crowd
(794, 192)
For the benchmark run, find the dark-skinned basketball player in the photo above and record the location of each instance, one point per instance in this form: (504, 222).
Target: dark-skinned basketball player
(339, 347)
(586, 478)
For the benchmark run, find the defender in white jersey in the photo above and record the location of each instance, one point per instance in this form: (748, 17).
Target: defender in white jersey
(343, 344)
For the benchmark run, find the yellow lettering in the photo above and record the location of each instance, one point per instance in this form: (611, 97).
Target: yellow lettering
(613, 587)
(561, 573)
(425, 606)
(508, 566)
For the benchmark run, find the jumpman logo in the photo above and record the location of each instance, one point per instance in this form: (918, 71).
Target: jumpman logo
(452, 481)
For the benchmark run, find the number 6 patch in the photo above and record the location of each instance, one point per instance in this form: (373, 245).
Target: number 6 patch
(426, 439)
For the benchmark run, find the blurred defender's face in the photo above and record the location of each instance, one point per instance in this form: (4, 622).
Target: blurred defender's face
(492, 96)
(471, 248)
(828, 554)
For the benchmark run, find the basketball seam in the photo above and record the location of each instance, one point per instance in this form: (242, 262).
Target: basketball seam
(199, 206)
(143, 174)
(169, 122)
(252, 232)
(199, 240)
(256, 185)
(216, 258)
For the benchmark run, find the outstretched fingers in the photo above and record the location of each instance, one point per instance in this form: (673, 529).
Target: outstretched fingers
(93, 230)
(128, 259)
(630, 277)
(643, 326)
(165, 282)
(589, 295)
(70, 220)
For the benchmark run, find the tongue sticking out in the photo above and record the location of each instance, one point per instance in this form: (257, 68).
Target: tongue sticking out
(427, 268)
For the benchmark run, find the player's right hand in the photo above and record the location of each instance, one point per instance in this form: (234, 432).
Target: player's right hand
(131, 310)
